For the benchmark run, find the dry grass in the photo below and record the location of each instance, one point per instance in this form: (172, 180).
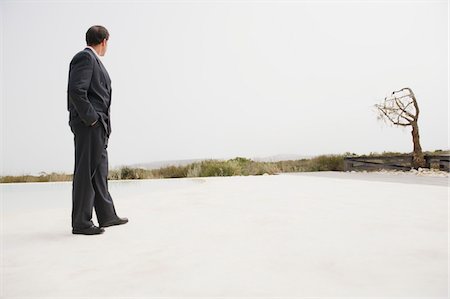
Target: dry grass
(207, 168)
(52, 177)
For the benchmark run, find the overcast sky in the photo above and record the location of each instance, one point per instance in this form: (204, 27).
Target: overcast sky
(217, 79)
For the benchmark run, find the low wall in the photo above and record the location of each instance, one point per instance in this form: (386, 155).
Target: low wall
(404, 162)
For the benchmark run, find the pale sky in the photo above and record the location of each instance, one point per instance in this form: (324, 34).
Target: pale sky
(218, 79)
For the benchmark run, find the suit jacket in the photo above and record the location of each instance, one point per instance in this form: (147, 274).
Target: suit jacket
(89, 91)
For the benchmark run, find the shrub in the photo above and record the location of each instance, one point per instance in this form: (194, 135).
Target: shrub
(293, 165)
(327, 163)
(218, 168)
(194, 170)
(127, 173)
(171, 172)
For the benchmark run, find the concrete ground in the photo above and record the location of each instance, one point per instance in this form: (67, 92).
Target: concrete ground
(320, 235)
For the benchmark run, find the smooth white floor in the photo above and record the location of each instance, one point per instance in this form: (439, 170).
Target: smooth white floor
(326, 235)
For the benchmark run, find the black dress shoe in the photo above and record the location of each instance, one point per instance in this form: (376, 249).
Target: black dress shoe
(117, 221)
(93, 230)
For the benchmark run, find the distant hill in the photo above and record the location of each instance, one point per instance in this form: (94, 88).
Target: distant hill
(277, 158)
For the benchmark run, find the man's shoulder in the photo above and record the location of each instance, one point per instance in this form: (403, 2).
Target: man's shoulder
(83, 54)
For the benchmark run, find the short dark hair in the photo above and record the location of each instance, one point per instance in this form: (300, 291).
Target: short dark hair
(96, 34)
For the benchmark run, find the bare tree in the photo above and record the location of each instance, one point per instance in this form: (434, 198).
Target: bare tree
(401, 109)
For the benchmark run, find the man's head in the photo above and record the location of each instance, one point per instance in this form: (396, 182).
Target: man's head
(97, 37)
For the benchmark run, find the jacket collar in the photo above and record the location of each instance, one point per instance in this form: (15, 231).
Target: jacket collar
(93, 50)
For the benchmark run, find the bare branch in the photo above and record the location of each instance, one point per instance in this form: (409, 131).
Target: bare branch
(416, 106)
(408, 106)
(403, 108)
(403, 89)
(405, 118)
(386, 114)
(401, 124)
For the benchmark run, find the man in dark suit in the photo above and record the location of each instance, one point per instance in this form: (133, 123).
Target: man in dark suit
(88, 101)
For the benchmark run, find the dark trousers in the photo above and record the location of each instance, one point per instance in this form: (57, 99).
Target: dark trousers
(90, 178)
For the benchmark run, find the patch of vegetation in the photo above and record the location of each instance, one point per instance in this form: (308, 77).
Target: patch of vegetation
(43, 177)
(327, 163)
(386, 154)
(232, 167)
(398, 154)
(128, 173)
(437, 152)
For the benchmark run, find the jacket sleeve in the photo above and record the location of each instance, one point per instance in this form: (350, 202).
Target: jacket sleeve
(80, 74)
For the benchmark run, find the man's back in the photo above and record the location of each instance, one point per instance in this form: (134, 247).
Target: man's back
(89, 90)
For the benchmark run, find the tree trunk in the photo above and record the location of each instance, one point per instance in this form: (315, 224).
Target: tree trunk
(418, 158)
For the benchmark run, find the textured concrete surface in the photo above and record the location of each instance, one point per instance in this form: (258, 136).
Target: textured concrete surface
(327, 235)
